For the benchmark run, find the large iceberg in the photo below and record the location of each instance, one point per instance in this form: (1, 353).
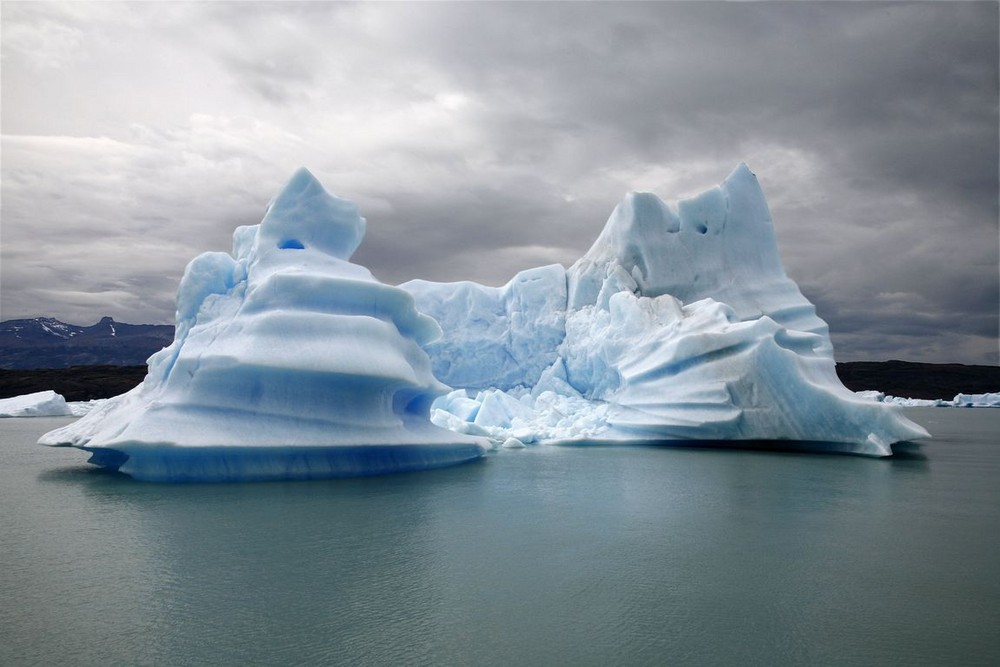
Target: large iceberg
(679, 324)
(289, 362)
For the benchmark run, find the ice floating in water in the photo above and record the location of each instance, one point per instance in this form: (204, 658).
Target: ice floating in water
(46, 404)
(38, 404)
(289, 362)
(988, 400)
(679, 324)
(880, 397)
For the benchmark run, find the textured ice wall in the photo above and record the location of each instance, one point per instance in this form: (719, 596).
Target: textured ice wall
(498, 336)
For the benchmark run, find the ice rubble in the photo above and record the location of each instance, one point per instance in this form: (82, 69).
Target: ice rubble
(289, 362)
(678, 324)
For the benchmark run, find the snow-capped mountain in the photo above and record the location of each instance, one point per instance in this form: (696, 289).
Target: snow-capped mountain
(45, 342)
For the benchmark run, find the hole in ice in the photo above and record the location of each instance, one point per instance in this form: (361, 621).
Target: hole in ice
(291, 244)
(411, 402)
(702, 228)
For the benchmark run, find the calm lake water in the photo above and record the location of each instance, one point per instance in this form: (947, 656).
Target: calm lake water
(543, 556)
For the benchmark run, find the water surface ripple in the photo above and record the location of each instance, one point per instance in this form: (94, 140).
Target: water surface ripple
(543, 556)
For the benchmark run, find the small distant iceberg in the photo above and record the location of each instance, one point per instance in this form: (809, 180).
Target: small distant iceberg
(45, 404)
(38, 404)
(987, 400)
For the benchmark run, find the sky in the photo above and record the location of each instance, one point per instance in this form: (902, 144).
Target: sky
(481, 139)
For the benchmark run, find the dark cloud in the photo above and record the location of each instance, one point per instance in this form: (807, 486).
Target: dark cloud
(485, 138)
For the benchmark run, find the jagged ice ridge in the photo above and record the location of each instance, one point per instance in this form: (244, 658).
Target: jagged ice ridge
(290, 362)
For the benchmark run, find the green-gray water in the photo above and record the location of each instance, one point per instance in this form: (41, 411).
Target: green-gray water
(544, 556)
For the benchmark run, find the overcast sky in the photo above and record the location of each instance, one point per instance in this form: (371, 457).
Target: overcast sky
(483, 139)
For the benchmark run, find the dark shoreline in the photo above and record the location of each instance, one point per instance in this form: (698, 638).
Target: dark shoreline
(76, 383)
(916, 380)
(896, 378)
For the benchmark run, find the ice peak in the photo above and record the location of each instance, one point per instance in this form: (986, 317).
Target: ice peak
(741, 172)
(644, 211)
(717, 244)
(305, 215)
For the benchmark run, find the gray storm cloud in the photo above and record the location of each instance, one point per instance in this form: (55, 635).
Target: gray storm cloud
(480, 139)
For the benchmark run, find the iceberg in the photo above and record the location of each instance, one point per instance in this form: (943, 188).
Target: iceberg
(881, 397)
(987, 400)
(37, 404)
(46, 404)
(678, 325)
(288, 362)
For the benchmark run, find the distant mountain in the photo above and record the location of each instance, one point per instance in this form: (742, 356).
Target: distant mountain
(45, 342)
(77, 383)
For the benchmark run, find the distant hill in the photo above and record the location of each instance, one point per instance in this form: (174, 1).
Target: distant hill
(77, 383)
(45, 342)
(915, 380)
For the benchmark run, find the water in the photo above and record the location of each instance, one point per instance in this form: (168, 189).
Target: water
(544, 556)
